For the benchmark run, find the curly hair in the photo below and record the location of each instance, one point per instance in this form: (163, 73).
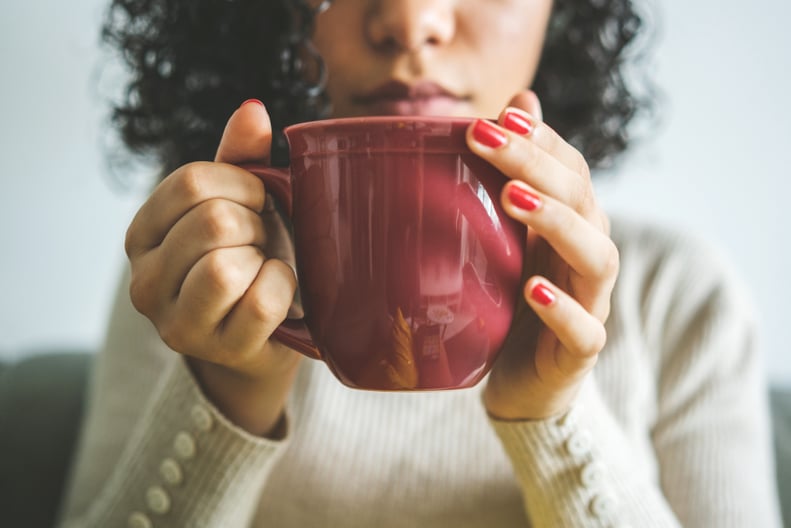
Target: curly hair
(193, 61)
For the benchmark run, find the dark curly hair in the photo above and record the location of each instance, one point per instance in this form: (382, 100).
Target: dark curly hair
(193, 61)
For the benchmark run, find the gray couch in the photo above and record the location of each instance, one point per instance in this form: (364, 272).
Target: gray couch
(41, 402)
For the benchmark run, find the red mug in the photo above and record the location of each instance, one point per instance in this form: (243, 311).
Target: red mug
(408, 268)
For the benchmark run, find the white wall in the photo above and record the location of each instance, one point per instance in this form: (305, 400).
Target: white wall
(61, 220)
(718, 165)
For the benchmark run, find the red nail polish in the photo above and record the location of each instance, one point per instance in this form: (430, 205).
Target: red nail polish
(523, 199)
(487, 134)
(256, 101)
(517, 123)
(542, 295)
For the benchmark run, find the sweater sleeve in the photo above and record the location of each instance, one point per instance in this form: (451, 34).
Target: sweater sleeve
(153, 450)
(184, 465)
(580, 470)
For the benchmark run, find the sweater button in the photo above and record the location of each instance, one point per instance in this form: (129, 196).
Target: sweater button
(139, 520)
(592, 475)
(184, 445)
(171, 472)
(202, 418)
(603, 506)
(158, 500)
(579, 444)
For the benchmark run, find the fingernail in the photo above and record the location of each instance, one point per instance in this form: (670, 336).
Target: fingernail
(542, 295)
(523, 199)
(256, 101)
(487, 134)
(517, 123)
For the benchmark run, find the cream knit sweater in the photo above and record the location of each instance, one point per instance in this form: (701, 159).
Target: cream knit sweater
(672, 430)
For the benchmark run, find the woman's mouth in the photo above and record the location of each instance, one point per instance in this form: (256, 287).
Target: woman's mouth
(399, 98)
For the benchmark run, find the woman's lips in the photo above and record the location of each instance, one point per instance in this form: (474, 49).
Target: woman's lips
(398, 98)
(429, 106)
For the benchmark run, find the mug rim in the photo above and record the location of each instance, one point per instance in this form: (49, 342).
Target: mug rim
(380, 120)
(379, 135)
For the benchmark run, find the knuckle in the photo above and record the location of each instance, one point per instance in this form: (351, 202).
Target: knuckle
(130, 240)
(268, 309)
(222, 272)
(219, 220)
(612, 262)
(173, 334)
(190, 183)
(599, 339)
(596, 339)
(141, 292)
(603, 311)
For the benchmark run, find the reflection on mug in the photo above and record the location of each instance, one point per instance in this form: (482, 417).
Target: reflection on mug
(393, 366)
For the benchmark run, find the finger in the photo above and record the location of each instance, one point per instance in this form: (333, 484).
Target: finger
(581, 335)
(213, 224)
(280, 245)
(211, 289)
(247, 136)
(184, 189)
(520, 159)
(524, 123)
(528, 101)
(584, 247)
(263, 307)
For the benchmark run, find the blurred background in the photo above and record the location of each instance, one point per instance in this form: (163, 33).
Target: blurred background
(717, 165)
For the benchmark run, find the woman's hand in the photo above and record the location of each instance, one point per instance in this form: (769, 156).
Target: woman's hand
(571, 264)
(198, 250)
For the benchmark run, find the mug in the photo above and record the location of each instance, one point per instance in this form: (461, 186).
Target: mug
(408, 268)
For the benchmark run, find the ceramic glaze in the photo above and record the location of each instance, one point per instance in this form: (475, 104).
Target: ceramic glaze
(409, 270)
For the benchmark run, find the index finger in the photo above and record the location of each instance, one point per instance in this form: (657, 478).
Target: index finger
(182, 190)
(542, 135)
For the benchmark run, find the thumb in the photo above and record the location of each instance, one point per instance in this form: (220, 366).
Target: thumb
(527, 100)
(247, 136)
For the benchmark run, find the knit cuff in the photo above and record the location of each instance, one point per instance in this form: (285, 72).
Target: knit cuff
(550, 458)
(187, 464)
(579, 470)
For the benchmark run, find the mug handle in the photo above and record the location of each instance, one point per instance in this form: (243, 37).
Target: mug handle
(291, 332)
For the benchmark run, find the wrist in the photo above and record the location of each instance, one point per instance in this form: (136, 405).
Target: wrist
(253, 403)
(525, 406)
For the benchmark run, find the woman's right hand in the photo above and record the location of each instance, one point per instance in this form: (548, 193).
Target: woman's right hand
(202, 250)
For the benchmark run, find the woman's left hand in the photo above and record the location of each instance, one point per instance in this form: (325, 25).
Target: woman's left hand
(571, 264)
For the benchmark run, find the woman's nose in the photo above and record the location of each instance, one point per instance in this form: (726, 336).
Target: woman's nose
(410, 25)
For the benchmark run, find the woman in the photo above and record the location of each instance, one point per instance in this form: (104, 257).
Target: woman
(199, 418)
